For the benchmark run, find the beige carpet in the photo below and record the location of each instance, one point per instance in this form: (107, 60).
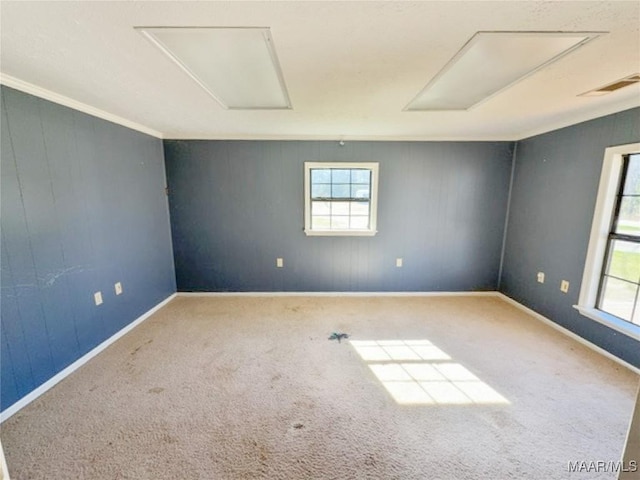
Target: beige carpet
(251, 387)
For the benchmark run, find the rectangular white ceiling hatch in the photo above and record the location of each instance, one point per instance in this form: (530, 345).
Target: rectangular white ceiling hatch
(237, 66)
(491, 62)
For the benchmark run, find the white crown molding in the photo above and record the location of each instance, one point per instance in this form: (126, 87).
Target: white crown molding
(40, 92)
(336, 138)
(581, 117)
(567, 121)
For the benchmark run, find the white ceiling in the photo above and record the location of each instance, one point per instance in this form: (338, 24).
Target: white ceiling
(350, 67)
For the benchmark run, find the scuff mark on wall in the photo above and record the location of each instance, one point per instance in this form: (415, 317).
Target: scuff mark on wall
(50, 278)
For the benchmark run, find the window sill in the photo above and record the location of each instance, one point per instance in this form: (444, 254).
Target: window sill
(340, 233)
(611, 321)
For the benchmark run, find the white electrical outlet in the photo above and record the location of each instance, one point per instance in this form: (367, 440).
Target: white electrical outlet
(540, 277)
(97, 297)
(564, 286)
(118, 288)
(398, 262)
(279, 262)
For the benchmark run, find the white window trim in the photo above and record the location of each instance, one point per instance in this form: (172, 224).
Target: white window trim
(373, 203)
(607, 191)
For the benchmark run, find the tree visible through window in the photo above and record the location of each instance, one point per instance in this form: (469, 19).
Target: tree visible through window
(620, 282)
(340, 198)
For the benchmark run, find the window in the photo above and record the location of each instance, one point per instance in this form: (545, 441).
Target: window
(340, 198)
(610, 292)
(620, 281)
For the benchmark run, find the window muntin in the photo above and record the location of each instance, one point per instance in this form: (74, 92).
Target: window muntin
(340, 198)
(619, 289)
(595, 265)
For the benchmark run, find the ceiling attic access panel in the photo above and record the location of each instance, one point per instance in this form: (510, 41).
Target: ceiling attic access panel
(237, 66)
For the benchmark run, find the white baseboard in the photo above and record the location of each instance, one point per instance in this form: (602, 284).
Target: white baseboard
(30, 397)
(338, 294)
(500, 295)
(568, 333)
(88, 356)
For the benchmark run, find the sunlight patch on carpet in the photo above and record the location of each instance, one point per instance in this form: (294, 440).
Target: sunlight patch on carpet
(416, 372)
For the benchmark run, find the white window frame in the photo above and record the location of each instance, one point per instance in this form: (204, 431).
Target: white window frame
(607, 191)
(373, 201)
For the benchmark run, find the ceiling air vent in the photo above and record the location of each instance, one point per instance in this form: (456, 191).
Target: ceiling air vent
(612, 87)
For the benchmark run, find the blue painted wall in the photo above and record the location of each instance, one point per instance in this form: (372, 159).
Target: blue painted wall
(553, 200)
(237, 205)
(82, 207)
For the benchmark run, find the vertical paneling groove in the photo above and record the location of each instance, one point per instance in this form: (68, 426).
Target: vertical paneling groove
(253, 191)
(8, 380)
(555, 185)
(18, 363)
(83, 206)
(42, 366)
(506, 217)
(12, 332)
(72, 352)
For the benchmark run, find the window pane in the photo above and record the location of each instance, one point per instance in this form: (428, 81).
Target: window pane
(360, 191)
(632, 183)
(320, 208)
(629, 217)
(361, 176)
(624, 260)
(340, 197)
(359, 222)
(320, 191)
(321, 176)
(339, 208)
(340, 191)
(340, 176)
(618, 297)
(359, 208)
(340, 223)
(321, 222)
